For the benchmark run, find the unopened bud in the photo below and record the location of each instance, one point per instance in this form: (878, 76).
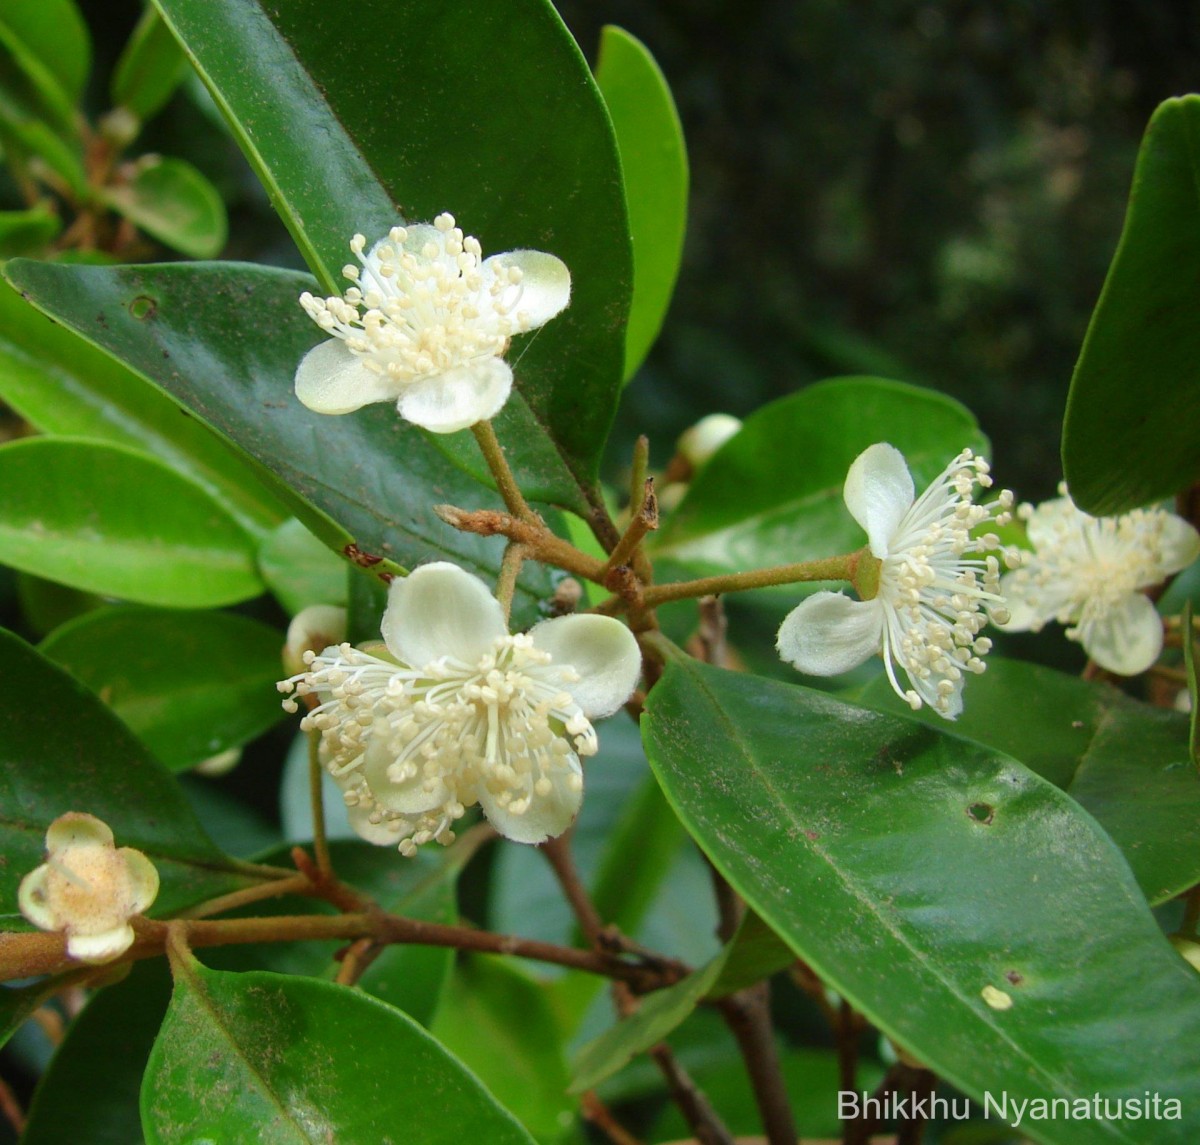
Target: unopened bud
(313, 629)
(699, 443)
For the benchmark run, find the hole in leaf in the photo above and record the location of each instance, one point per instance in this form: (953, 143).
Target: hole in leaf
(981, 812)
(143, 307)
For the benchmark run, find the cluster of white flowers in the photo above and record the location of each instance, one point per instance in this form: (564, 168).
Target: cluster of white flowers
(425, 324)
(454, 711)
(936, 582)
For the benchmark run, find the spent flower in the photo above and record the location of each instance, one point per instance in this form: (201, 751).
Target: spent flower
(88, 888)
(425, 324)
(453, 711)
(1089, 573)
(932, 582)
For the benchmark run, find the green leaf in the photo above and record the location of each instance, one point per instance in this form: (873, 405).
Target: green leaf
(409, 977)
(1125, 762)
(90, 1092)
(171, 200)
(187, 684)
(49, 38)
(28, 232)
(31, 124)
(141, 532)
(1193, 682)
(294, 1060)
(913, 872)
(773, 493)
(516, 144)
(364, 483)
(300, 570)
(62, 385)
(499, 1023)
(62, 750)
(1128, 436)
(655, 165)
(152, 65)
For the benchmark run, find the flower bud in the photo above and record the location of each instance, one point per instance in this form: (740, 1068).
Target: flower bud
(312, 629)
(702, 440)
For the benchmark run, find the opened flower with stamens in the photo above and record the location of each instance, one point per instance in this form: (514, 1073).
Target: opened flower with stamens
(425, 324)
(455, 711)
(930, 583)
(1089, 573)
(88, 888)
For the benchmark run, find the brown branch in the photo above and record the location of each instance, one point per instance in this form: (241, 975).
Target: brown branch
(11, 1107)
(644, 520)
(748, 1016)
(595, 1111)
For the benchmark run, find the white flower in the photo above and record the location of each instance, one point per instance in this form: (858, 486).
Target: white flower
(465, 713)
(1089, 572)
(425, 325)
(88, 888)
(932, 598)
(699, 442)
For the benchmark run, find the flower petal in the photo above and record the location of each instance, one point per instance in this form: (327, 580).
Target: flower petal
(78, 828)
(143, 880)
(441, 610)
(31, 899)
(382, 834)
(410, 796)
(1127, 639)
(829, 633)
(103, 947)
(1030, 605)
(544, 289)
(547, 816)
(1180, 544)
(457, 398)
(332, 379)
(1045, 523)
(604, 653)
(878, 492)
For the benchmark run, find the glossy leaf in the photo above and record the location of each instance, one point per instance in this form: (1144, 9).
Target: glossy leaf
(172, 201)
(364, 483)
(499, 1023)
(51, 37)
(1125, 762)
(294, 1060)
(409, 977)
(1128, 437)
(62, 750)
(188, 684)
(62, 385)
(839, 825)
(28, 232)
(300, 570)
(521, 151)
(90, 1092)
(142, 532)
(773, 493)
(655, 165)
(152, 65)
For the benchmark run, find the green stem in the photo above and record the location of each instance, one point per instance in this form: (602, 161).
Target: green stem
(316, 795)
(510, 569)
(830, 568)
(493, 454)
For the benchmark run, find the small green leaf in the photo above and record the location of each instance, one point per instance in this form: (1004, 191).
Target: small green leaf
(62, 750)
(655, 166)
(28, 232)
(300, 570)
(520, 150)
(365, 483)
(152, 65)
(1128, 437)
(773, 493)
(62, 385)
(51, 37)
(839, 827)
(653, 1020)
(141, 532)
(1125, 762)
(294, 1061)
(90, 1092)
(171, 200)
(499, 1023)
(755, 953)
(188, 684)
